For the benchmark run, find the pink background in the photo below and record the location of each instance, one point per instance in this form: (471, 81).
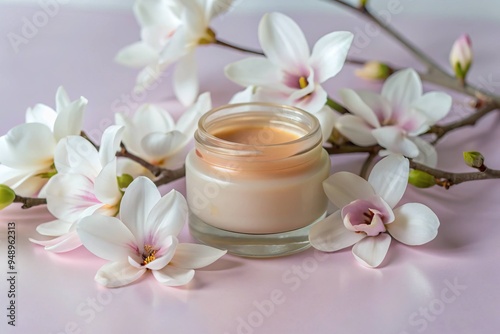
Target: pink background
(312, 292)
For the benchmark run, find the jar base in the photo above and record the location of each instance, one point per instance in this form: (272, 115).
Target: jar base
(251, 245)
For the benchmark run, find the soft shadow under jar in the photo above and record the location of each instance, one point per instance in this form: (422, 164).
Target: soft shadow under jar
(254, 179)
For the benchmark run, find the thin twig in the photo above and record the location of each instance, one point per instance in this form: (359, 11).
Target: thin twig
(163, 175)
(441, 130)
(447, 179)
(237, 48)
(29, 202)
(351, 148)
(84, 135)
(435, 74)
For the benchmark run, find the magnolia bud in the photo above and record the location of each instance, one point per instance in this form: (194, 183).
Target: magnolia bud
(421, 179)
(374, 70)
(461, 56)
(7, 196)
(474, 160)
(124, 180)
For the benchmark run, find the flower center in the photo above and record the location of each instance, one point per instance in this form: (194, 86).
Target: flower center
(148, 255)
(368, 217)
(209, 37)
(303, 82)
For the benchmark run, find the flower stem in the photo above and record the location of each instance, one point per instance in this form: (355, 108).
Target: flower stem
(365, 169)
(163, 175)
(237, 48)
(336, 106)
(29, 202)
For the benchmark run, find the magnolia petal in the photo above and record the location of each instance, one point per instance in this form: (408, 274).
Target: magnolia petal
(427, 153)
(254, 71)
(186, 79)
(27, 146)
(75, 154)
(313, 101)
(106, 237)
(61, 244)
(358, 107)
(330, 234)
(173, 276)
(378, 104)
(106, 185)
(136, 55)
(54, 228)
(194, 256)
(23, 182)
(161, 145)
(110, 143)
(62, 99)
(244, 96)
(356, 130)
(43, 114)
(327, 118)
(69, 119)
(402, 88)
(168, 249)
(155, 12)
(188, 122)
(414, 224)
(149, 75)
(167, 217)
(434, 105)
(343, 187)
(389, 178)
(329, 54)
(70, 195)
(282, 41)
(371, 251)
(116, 274)
(137, 202)
(393, 139)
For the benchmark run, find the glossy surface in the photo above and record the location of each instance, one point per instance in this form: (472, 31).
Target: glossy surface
(447, 286)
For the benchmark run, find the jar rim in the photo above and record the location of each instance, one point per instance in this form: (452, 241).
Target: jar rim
(315, 127)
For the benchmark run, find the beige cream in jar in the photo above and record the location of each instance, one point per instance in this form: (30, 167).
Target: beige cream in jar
(254, 179)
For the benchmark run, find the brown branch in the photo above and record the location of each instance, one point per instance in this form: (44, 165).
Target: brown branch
(447, 179)
(441, 130)
(238, 48)
(29, 202)
(163, 175)
(435, 74)
(84, 135)
(351, 148)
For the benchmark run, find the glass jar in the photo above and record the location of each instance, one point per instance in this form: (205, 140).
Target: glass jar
(254, 179)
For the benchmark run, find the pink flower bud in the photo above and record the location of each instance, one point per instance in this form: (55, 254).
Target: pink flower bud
(461, 56)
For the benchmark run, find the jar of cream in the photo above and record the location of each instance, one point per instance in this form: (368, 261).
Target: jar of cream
(254, 179)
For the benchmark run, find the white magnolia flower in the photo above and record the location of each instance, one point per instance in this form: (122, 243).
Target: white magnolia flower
(395, 118)
(153, 135)
(145, 237)
(290, 72)
(86, 183)
(27, 150)
(171, 30)
(366, 218)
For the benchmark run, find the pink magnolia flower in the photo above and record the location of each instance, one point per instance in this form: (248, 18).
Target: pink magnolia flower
(290, 72)
(395, 118)
(367, 218)
(145, 238)
(86, 183)
(461, 56)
